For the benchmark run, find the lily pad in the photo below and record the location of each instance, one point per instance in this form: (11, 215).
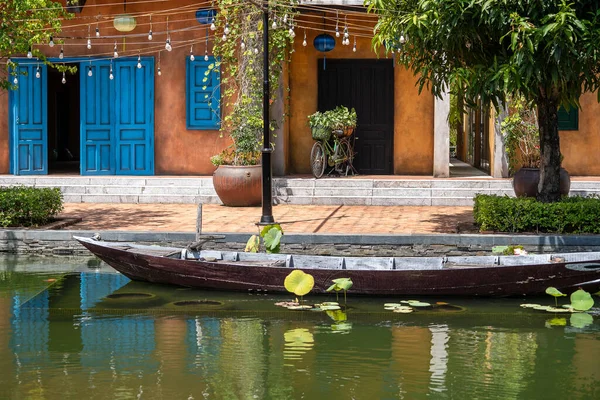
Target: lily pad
(581, 300)
(557, 310)
(330, 308)
(403, 310)
(581, 320)
(330, 303)
(299, 282)
(299, 307)
(552, 291)
(418, 304)
(542, 308)
(530, 305)
(393, 305)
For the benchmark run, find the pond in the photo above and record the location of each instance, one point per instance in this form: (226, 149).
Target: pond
(70, 328)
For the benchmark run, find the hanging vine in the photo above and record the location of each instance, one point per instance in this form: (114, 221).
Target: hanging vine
(238, 49)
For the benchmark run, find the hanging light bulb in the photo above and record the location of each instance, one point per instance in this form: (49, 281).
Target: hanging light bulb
(89, 43)
(224, 38)
(206, 55)
(285, 19)
(51, 43)
(242, 44)
(90, 73)
(29, 53)
(226, 30)
(150, 31)
(64, 79)
(354, 47)
(402, 39)
(110, 73)
(158, 70)
(97, 31)
(291, 32)
(37, 72)
(62, 52)
(192, 58)
(256, 50)
(168, 46)
(274, 26)
(16, 81)
(115, 53)
(139, 64)
(212, 24)
(304, 43)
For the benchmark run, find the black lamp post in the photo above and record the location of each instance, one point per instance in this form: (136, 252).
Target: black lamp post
(267, 190)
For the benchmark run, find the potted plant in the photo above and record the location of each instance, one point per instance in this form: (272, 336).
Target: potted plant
(521, 138)
(239, 50)
(340, 119)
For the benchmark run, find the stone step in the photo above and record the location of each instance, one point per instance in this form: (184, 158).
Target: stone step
(326, 191)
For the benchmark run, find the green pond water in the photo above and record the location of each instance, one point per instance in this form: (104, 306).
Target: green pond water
(71, 329)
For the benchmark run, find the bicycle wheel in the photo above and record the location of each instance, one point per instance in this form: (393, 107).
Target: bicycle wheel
(318, 159)
(348, 155)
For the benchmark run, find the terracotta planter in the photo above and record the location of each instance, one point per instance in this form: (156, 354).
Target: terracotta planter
(525, 182)
(238, 186)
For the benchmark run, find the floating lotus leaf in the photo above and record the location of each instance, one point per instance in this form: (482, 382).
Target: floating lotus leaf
(299, 307)
(299, 282)
(418, 304)
(552, 291)
(530, 305)
(557, 322)
(330, 303)
(390, 308)
(393, 305)
(330, 308)
(556, 310)
(541, 308)
(581, 300)
(403, 310)
(581, 320)
(253, 244)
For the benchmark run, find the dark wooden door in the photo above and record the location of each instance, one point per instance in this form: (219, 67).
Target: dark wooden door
(368, 86)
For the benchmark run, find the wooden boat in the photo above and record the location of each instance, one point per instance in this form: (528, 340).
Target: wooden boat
(463, 275)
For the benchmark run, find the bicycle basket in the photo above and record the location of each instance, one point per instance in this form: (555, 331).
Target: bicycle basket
(321, 133)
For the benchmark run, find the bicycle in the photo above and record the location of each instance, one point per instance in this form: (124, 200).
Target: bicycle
(337, 153)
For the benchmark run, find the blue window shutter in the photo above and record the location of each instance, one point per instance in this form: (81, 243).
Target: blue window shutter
(203, 95)
(568, 120)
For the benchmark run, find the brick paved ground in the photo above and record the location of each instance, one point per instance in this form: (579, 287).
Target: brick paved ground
(293, 218)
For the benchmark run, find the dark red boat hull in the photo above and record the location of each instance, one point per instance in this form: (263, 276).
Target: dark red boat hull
(476, 281)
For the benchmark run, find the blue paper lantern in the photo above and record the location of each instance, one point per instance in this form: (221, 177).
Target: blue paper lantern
(205, 15)
(324, 42)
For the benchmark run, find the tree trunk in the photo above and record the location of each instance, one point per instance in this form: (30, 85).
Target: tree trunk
(549, 185)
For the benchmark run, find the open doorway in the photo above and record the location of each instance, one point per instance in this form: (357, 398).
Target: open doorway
(63, 123)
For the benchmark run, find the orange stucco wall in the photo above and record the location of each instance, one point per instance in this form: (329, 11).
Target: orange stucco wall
(177, 150)
(580, 147)
(413, 121)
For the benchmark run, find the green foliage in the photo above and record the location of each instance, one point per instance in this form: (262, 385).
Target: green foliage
(521, 136)
(28, 206)
(340, 284)
(338, 118)
(581, 300)
(545, 51)
(271, 235)
(242, 72)
(509, 214)
(23, 24)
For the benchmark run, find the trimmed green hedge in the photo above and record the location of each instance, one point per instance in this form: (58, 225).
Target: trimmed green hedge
(29, 206)
(509, 214)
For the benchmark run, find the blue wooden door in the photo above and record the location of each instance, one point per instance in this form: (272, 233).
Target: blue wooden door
(117, 118)
(29, 121)
(97, 119)
(134, 117)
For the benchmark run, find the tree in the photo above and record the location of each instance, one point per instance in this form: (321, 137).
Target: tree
(24, 23)
(545, 50)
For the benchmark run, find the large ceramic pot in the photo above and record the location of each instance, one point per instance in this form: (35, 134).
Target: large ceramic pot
(525, 182)
(238, 186)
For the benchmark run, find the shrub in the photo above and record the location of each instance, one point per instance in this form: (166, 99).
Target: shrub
(28, 206)
(522, 214)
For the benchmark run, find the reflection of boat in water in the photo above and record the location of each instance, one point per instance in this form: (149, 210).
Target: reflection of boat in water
(474, 275)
